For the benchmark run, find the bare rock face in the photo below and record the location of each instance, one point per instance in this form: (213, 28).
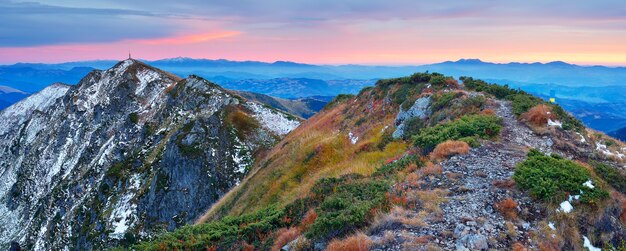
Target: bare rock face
(420, 109)
(125, 153)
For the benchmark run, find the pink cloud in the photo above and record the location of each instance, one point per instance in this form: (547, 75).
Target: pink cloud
(188, 39)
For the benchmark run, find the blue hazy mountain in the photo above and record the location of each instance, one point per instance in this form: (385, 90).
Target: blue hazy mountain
(9, 96)
(619, 134)
(592, 93)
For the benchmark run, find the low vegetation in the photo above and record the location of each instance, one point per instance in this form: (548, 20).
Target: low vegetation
(448, 148)
(227, 233)
(552, 178)
(464, 128)
(522, 101)
(508, 208)
(538, 115)
(244, 124)
(611, 175)
(356, 242)
(347, 205)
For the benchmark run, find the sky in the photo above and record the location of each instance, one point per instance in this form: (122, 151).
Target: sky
(384, 32)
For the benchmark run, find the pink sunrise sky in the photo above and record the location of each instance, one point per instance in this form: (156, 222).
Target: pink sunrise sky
(321, 32)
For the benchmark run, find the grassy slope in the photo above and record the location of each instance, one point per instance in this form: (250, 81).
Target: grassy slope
(318, 148)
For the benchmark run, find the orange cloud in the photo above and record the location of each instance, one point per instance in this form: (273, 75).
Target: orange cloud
(189, 39)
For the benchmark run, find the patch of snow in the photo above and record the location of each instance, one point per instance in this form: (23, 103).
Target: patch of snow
(145, 77)
(242, 156)
(588, 245)
(565, 207)
(603, 149)
(61, 158)
(22, 110)
(123, 217)
(275, 121)
(551, 225)
(39, 244)
(554, 123)
(353, 138)
(104, 152)
(582, 138)
(589, 184)
(574, 197)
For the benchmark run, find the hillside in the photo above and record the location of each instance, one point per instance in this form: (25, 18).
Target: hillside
(126, 153)
(302, 107)
(423, 162)
(297, 87)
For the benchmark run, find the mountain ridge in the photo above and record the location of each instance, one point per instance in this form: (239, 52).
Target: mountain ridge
(125, 153)
(441, 167)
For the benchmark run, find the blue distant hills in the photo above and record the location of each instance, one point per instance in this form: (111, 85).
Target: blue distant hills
(595, 94)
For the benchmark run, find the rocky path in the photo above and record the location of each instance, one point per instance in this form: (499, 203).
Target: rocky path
(468, 218)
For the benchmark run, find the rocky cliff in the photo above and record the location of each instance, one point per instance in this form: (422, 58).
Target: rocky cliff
(125, 153)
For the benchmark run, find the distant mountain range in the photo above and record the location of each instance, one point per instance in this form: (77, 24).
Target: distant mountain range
(560, 73)
(9, 96)
(592, 93)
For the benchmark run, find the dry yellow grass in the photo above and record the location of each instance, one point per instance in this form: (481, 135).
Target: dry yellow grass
(431, 169)
(319, 148)
(448, 148)
(398, 215)
(508, 208)
(284, 236)
(538, 115)
(356, 242)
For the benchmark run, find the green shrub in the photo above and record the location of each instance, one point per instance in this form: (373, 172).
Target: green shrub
(499, 91)
(551, 178)
(412, 127)
(521, 103)
(133, 117)
(295, 211)
(348, 208)
(472, 141)
(389, 169)
(420, 77)
(223, 234)
(437, 80)
(337, 100)
(477, 101)
(481, 126)
(611, 175)
(442, 100)
(405, 95)
(569, 122)
(326, 186)
(385, 139)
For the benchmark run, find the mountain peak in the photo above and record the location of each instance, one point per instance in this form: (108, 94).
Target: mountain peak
(137, 68)
(469, 61)
(558, 63)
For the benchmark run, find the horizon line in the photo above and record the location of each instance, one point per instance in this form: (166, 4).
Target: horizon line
(460, 60)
